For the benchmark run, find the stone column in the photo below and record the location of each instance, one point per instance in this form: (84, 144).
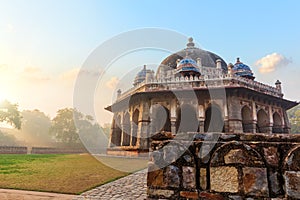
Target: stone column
(226, 118)
(143, 126)
(201, 118)
(173, 116)
(133, 129)
(234, 115)
(254, 117)
(173, 126)
(112, 133)
(271, 122)
(122, 129)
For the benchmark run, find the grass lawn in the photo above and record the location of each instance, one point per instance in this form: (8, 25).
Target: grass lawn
(71, 174)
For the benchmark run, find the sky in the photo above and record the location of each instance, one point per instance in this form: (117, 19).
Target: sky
(44, 44)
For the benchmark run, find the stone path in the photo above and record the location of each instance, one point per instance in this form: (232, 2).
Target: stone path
(7, 194)
(132, 187)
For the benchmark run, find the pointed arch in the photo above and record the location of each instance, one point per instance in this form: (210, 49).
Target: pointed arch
(126, 130)
(160, 119)
(246, 119)
(117, 132)
(262, 121)
(214, 121)
(277, 123)
(187, 120)
(135, 120)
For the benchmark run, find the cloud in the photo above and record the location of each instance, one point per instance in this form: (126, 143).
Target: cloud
(112, 82)
(271, 62)
(32, 70)
(69, 75)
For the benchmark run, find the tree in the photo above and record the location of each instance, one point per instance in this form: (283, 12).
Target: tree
(10, 114)
(63, 127)
(7, 139)
(294, 116)
(35, 127)
(72, 127)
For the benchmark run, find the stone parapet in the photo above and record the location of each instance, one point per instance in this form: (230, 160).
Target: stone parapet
(204, 82)
(224, 166)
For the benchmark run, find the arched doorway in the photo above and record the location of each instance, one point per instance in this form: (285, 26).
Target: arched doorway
(277, 123)
(160, 119)
(126, 130)
(117, 132)
(247, 119)
(262, 121)
(187, 119)
(135, 119)
(214, 121)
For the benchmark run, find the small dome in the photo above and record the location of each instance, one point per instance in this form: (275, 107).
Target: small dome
(141, 75)
(187, 65)
(240, 69)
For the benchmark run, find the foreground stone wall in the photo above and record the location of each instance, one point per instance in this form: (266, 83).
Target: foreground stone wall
(224, 166)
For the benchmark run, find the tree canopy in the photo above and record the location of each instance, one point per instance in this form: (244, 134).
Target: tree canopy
(10, 114)
(294, 116)
(63, 127)
(73, 127)
(35, 127)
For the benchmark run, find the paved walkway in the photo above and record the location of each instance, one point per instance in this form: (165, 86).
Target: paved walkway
(6, 194)
(132, 187)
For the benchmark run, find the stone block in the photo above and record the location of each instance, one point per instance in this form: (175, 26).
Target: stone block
(275, 186)
(224, 179)
(155, 178)
(189, 195)
(235, 156)
(292, 184)
(170, 153)
(255, 181)
(171, 176)
(187, 158)
(203, 180)
(210, 196)
(204, 153)
(293, 163)
(235, 197)
(160, 193)
(271, 155)
(155, 156)
(189, 177)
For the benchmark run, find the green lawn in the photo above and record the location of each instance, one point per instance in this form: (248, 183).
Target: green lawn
(71, 174)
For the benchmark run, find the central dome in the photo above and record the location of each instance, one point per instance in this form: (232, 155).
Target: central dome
(208, 59)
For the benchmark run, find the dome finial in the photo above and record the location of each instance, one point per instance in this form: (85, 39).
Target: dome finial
(190, 43)
(186, 53)
(238, 60)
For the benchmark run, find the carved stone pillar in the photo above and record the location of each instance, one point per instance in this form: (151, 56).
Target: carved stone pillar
(173, 126)
(254, 117)
(234, 115)
(201, 118)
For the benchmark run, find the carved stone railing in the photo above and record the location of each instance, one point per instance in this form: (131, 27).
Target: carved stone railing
(202, 82)
(224, 166)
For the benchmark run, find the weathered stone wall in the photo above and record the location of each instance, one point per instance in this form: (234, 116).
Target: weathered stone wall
(49, 150)
(224, 166)
(13, 150)
(39, 150)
